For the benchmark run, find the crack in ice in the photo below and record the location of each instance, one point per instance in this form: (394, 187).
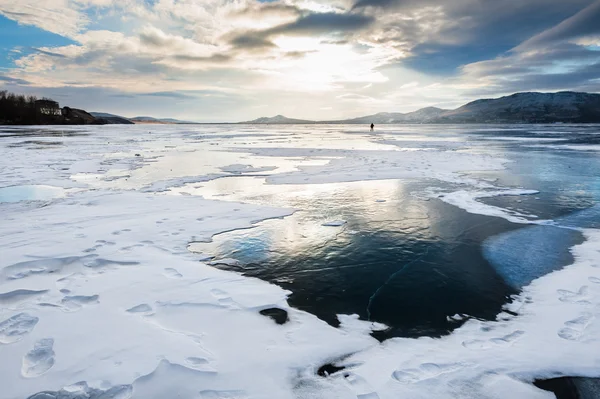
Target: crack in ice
(390, 279)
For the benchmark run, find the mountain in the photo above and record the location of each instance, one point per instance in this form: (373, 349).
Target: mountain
(380, 118)
(111, 119)
(149, 119)
(423, 115)
(531, 107)
(278, 119)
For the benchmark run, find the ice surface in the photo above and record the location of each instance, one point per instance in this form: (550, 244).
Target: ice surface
(523, 255)
(101, 298)
(30, 193)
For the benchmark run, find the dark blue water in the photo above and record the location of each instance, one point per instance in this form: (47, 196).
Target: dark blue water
(412, 263)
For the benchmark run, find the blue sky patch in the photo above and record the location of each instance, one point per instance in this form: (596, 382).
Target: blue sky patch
(18, 40)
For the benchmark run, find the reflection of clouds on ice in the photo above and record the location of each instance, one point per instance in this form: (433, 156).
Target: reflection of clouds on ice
(99, 287)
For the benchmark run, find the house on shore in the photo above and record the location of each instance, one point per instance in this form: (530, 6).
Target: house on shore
(47, 107)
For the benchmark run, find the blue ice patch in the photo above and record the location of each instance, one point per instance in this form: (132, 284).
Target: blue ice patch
(523, 255)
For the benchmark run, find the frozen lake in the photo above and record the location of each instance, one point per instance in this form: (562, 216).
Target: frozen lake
(425, 260)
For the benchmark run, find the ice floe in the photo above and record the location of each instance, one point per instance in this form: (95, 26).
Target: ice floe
(467, 200)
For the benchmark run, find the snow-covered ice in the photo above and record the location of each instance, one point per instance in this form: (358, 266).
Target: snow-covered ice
(100, 297)
(467, 200)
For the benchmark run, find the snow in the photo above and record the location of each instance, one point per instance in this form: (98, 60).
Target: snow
(357, 165)
(101, 298)
(467, 200)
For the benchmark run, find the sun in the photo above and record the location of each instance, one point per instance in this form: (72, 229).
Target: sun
(318, 64)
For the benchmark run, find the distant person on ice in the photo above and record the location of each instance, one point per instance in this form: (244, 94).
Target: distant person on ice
(372, 127)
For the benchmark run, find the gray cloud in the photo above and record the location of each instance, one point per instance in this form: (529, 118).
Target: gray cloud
(584, 23)
(567, 67)
(309, 24)
(214, 58)
(447, 35)
(297, 54)
(15, 81)
(254, 41)
(152, 38)
(583, 79)
(323, 23)
(48, 53)
(517, 64)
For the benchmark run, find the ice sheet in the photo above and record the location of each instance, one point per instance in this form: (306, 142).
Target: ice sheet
(101, 297)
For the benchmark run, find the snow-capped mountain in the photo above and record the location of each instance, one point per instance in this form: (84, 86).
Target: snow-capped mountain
(528, 108)
(568, 107)
(420, 116)
(424, 115)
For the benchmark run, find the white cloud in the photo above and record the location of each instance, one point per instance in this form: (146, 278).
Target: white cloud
(57, 16)
(409, 85)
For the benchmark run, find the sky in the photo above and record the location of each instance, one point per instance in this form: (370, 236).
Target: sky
(237, 60)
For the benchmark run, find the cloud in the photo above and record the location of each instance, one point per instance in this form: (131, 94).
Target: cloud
(440, 36)
(319, 23)
(554, 59)
(354, 97)
(168, 94)
(56, 16)
(579, 79)
(306, 25)
(298, 56)
(254, 41)
(14, 81)
(265, 10)
(584, 23)
(48, 53)
(390, 3)
(409, 85)
(214, 58)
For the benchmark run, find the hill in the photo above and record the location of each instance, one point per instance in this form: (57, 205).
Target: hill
(423, 115)
(111, 119)
(279, 119)
(149, 119)
(530, 107)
